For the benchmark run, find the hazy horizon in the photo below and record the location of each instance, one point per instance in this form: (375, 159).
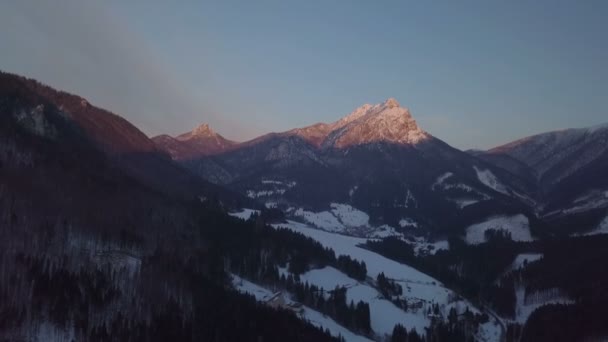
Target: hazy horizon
(268, 67)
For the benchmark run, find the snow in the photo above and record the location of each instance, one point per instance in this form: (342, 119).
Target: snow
(441, 179)
(520, 259)
(602, 228)
(487, 178)
(273, 182)
(382, 232)
(410, 198)
(349, 216)
(328, 278)
(463, 202)
(271, 205)
(324, 219)
(244, 214)
(384, 314)
(422, 246)
(264, 193)
(407, 222)
(370, 124)
(591, 200)
(318, 319)
(597, 128)
(517, 225)
(314, 317)
(417, 286)
(347, 245)
(245, 286)
(489, 332)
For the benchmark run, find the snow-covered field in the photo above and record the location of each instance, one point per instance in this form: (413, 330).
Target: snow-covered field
(384, 314)
(487, 178)
(349, 216)
(346, 219)
(337, 219)
(417, 286)
(517, 225)
(314, 317)
(523, 259)
(244, 214)
(324, 219)
(407, 222)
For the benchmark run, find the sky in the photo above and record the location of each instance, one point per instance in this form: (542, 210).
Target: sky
(475, 74)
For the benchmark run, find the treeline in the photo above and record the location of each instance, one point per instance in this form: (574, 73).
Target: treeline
(355, 317)
(453, 328)
(168, 298)
(579, 268)
(469, 270)
(255, 251)
(572, 268)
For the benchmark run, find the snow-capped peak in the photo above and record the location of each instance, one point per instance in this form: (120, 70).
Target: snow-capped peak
(203, 129)
(354, 115)
(201, 132)
(385, 122)
(391, 103)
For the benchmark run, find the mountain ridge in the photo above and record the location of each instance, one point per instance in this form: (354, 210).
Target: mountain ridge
(383, 122)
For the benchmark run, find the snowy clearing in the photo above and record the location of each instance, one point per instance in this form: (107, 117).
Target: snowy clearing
(463, 202)
(324, 220)
(382, 232)
(384, 314)
(417, 286)
(349, 216)
(441, 179)
(244, 214)
(517, 225)
(487, 178)
(523, 259)
(407, 222)
(314, 317)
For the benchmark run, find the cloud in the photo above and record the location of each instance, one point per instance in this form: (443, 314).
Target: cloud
(81, 47)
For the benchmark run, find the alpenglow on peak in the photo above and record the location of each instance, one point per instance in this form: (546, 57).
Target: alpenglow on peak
(384, 122)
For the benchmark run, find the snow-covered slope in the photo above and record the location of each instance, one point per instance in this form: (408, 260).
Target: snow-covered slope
(547, 150)
(386, 122)
(517, 225)
(489, 179)
(523, 259)
(418, 287)
(565, 165)
(314, 317)
(244, 214)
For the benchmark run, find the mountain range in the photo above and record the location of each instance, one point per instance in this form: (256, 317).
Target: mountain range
(379, 160)
(365, 228)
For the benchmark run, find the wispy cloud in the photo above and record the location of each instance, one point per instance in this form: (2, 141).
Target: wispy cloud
(81, 47)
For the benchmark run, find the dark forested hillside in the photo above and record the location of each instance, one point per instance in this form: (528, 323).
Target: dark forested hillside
(92, 250)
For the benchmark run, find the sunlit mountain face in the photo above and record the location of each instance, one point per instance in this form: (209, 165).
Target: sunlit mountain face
(237, 172)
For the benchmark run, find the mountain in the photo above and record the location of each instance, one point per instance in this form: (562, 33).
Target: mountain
(376, 159)
(201, 141)
(568, 167)
(125, 145)
(95, 247)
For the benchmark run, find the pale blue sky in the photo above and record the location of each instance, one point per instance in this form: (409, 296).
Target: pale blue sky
(473, 73)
